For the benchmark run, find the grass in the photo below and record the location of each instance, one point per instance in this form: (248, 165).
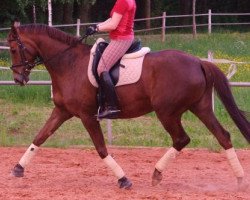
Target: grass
(37, 95)
(233, 46)
(24, 110)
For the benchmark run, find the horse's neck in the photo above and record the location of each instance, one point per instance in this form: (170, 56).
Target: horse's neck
(51, 49)
(61, 60)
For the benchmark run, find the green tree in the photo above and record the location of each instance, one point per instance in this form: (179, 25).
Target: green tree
(10, 10)
(84, 10)
(67, 11)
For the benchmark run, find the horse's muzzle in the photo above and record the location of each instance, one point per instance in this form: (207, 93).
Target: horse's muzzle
(21, 79)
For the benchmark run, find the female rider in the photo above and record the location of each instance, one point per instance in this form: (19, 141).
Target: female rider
(120, 27)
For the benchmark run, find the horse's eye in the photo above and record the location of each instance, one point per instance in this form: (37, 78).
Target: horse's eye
(13, 51)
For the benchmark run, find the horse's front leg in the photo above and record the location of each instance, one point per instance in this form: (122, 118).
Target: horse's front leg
(95, 132)
(56, 119)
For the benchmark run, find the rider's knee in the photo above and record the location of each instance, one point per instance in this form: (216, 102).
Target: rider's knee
(100, 69)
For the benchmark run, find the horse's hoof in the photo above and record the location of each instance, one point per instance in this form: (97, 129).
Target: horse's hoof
(242, 185)
(156, 178)
(18, 171)
(125, 183)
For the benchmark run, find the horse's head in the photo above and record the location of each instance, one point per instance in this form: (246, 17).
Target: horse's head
(23, 54)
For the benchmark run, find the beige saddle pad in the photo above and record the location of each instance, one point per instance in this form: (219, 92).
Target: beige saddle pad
(130, 73)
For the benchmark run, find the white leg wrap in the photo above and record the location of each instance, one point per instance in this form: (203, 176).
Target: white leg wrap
(234, 162)
(112, 164)
(164, 161)
(28, 155)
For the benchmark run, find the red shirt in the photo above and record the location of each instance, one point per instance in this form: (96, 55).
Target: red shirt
(124, 30)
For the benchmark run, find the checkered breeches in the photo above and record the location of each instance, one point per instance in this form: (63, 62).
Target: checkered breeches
(114, 51)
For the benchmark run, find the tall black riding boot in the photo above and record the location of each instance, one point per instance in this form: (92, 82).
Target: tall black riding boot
(108, 88)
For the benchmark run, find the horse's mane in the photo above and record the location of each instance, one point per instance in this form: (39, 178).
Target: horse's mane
(50, 31)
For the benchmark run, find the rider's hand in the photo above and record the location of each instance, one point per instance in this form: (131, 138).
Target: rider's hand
(91, 30)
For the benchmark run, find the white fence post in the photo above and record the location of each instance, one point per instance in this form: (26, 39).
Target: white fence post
(163, 34)
(210, 56)
(209, 21)
(109, 128)
(210, 59)
(34, 13)
(49, 13)
(78, 24)
(50, 24)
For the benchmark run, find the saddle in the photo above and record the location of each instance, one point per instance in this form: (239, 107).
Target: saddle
(115, 70)
(127, 70)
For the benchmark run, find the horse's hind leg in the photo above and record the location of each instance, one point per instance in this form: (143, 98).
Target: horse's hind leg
(57, 117)
(180, 139)
(204, 112)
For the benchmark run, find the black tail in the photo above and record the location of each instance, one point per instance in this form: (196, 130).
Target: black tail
(222, 87)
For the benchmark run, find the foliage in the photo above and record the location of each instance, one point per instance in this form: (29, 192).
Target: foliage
(99, 9)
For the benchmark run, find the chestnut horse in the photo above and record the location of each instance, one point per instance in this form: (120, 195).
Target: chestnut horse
(172, 82)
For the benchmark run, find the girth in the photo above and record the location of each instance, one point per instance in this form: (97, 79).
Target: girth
(115, 70)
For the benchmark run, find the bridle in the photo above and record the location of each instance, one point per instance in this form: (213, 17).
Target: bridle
(29, 65)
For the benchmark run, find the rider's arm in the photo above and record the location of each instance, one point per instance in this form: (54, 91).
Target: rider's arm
(110, 24)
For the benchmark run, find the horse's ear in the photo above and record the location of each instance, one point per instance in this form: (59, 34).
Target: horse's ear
(16, 24)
